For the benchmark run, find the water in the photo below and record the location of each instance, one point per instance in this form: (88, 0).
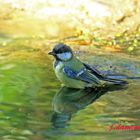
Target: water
(33, 107)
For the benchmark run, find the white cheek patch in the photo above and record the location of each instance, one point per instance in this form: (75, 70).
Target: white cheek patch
(64, 56)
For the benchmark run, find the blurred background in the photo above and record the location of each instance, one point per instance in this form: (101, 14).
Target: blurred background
(103, 33)
(112, 24)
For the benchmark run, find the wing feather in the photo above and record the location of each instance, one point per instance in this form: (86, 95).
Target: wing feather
(103, 77)
(83, 75)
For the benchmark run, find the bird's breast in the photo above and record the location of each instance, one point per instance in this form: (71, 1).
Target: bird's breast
(58, 70)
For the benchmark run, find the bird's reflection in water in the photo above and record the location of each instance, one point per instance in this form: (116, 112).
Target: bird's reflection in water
(69, 101)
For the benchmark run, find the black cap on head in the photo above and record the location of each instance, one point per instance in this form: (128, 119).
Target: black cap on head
(61, 48)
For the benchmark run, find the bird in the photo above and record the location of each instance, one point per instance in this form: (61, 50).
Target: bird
(73, 73)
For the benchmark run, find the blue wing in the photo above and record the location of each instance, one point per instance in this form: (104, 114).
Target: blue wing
(83, 75)
(69, 72)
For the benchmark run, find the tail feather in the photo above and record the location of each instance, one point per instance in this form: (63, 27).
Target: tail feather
(115, 81)
(122, 77)
(110, 79)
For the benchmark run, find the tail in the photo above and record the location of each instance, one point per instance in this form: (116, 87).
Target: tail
(119, 80)
(114, 84)
(110, 79)
(113, 81)
(122, 77)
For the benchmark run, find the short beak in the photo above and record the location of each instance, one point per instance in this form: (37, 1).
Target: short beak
(51, 53)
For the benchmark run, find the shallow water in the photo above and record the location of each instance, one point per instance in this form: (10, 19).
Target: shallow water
(32, 107)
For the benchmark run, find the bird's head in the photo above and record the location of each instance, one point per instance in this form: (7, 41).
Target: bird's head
(62, 52)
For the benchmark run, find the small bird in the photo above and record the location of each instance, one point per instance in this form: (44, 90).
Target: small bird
(75, 74)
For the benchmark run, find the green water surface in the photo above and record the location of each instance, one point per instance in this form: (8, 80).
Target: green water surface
(29, 97)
